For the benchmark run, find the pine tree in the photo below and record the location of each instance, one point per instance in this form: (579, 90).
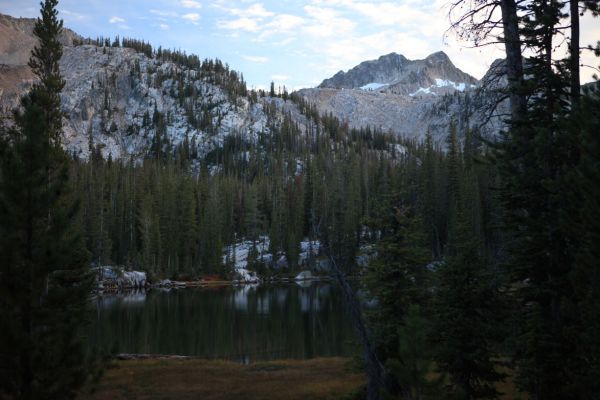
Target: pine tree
(537, 155)
(413, 366)
(44, 275)
(585, 370)
(396, 278)
(467, 317)
(430, 209)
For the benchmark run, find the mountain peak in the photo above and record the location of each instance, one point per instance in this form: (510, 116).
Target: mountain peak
(438, 56)
(396, 74)
(393, 55)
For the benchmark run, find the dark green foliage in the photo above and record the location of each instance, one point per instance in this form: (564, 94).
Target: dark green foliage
(413, 366)
(467, 310)
(536, 161)
(45, 279)
(585, 370)
(397, 278)
(541, 161)
(468, 318)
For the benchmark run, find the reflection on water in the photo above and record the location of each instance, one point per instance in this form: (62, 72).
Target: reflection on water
(246, 323)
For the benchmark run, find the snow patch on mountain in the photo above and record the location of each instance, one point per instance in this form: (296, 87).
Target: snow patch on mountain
(373, 86)
(422, 90)
(442, 83)
(238, 253)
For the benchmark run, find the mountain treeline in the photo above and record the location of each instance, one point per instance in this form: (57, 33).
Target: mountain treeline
(172, 213)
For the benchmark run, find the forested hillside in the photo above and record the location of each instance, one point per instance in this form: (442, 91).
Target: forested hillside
(172, 213)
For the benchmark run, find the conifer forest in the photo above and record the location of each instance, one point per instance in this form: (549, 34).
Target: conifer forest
(459, 262)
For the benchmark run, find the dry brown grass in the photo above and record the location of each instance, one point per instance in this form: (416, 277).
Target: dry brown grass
(324, 378)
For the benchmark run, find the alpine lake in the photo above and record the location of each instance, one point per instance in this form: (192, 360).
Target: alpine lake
(245, 324)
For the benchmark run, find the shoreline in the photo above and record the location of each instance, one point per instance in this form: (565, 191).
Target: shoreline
(210, 283)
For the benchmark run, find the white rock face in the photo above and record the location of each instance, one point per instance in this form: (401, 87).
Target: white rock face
(105, 99)
(134, 279)
(120, 277)
(308, 250)
(240, 252)
(410, 115)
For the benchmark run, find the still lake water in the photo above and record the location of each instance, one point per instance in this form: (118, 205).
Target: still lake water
(244, 323)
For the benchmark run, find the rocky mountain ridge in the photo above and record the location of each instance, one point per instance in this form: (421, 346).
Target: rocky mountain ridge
(409, 97)
(128, 103)
(394, 73)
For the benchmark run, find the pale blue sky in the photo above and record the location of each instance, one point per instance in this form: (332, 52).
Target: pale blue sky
(294, 43)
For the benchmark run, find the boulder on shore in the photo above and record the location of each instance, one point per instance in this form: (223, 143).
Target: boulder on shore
(304, 276)
(245, 276)
(108, 276)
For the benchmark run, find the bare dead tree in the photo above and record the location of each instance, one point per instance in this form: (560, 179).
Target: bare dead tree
(377, 375)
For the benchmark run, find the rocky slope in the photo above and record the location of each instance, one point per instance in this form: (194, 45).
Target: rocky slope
(16, 43)
(123, 101)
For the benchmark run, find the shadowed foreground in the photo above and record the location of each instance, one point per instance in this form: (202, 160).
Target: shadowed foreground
(323, 378)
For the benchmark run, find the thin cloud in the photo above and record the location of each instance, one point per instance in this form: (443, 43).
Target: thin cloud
(256, 59)
(120, 22)
(244, 24)
(190, 4)
(250, 19)
(164, 13)
(192, 17)
(256, 10)
(116, 20)
(70, 15)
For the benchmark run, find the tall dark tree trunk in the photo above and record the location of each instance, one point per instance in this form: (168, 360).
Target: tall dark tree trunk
(514, 59)
(574, 50)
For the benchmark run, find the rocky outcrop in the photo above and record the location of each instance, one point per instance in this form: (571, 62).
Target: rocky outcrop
(386, 69)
